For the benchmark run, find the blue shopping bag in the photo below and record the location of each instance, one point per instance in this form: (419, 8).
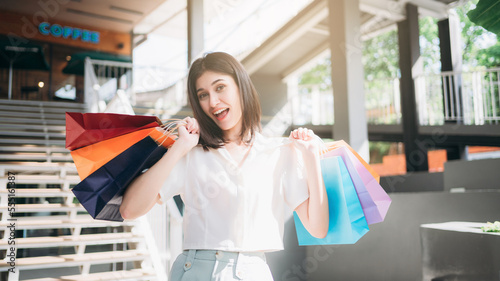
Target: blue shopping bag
(347, 220)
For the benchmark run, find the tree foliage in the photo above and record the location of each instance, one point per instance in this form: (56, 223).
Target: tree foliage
(473, 37)
(490, 57)
(380, 56)
(320, 74)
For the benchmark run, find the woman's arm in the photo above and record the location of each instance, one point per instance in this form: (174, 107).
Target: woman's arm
(314, 212)
(141, 195)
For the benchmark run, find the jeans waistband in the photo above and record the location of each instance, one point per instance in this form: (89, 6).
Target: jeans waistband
(240, 257)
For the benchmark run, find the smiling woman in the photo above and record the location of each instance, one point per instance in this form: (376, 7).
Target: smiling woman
(235, 183)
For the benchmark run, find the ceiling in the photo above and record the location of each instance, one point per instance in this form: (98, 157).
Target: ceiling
(115, 15)
(306, 36)
(307, 33)
(162, 16)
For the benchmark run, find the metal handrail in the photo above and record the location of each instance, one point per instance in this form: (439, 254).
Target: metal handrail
(467, 97)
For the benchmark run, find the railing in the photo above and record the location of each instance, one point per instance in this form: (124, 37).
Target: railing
(103, 80)
(470, 98)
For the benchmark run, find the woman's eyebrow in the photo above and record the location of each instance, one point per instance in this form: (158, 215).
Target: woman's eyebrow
(214, 82)
(217, 80)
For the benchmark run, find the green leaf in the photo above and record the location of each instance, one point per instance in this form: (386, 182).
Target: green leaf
(487, 15)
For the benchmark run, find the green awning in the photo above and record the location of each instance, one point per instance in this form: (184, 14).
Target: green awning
(487, 15)
(76, 65)
(22, 56)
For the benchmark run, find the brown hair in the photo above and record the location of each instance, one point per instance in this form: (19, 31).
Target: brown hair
(219, 62)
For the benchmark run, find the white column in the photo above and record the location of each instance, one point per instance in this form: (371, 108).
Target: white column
(347, 75)
(196, 32)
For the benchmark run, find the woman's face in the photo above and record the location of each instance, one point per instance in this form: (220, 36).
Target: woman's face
(219, 97)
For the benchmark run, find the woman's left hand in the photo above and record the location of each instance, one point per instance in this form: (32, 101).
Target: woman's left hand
(305, 140)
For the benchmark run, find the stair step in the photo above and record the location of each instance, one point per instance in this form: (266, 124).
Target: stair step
(38, 192)
(69, 240)
(33, 141)
(31, 127)
(29, 148)
(32, 121)
(39, 168)
(128, 275)
(39, 109)
(45, 179)
(27, 157)
(60, 135)
(52, 207)
(44, 104)
(34, 115)
(83, 221)
(76, 259)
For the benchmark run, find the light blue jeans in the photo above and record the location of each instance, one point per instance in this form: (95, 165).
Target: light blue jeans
(212, 265)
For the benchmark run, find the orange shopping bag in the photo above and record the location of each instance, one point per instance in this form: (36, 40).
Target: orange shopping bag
(90, 158)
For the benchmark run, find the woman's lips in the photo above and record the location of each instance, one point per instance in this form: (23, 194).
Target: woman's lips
(221, 114)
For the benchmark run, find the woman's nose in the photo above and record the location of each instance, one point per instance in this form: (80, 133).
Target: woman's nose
(214, 100)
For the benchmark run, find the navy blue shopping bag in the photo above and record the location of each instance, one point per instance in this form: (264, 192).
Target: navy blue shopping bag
(102, 191)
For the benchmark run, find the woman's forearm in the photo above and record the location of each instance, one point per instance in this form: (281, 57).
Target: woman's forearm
(314, 212)
(318, 212)
(141, 195)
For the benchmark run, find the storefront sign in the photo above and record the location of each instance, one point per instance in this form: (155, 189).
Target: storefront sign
(68, 32)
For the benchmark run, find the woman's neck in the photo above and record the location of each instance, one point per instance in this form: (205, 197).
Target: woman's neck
(234, 141)
(234, 138)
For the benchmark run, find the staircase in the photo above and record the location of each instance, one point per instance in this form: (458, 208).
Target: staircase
(34, 131)
(46, 235)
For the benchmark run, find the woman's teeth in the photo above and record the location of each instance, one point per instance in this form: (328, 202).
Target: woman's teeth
(219, 111)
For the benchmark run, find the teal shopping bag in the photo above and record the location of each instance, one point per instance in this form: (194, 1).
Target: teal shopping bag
(347, 220)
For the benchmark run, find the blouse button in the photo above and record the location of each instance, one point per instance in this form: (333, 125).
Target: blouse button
(187, 265)
(240, 274)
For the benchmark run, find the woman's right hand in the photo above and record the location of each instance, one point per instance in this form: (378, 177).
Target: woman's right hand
(189, 134)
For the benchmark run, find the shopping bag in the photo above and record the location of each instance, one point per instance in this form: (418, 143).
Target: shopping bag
(340, 143)
(101, 192)
(374, 200)
(347, 223)
(91, 157)
(83, 129)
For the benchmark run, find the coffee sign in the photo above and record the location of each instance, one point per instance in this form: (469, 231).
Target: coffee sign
(68, 32)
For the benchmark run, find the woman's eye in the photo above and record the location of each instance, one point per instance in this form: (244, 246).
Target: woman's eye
(202, 96)
(220, 88)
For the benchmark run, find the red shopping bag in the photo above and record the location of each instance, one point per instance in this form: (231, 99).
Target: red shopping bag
(83, 129)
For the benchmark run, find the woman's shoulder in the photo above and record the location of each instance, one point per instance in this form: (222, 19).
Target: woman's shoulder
(263, 142)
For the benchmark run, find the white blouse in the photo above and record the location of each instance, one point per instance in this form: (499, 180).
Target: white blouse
(235, 208)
